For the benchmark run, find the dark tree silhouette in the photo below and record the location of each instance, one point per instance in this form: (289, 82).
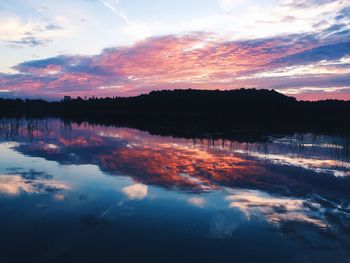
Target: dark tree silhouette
(244, 109)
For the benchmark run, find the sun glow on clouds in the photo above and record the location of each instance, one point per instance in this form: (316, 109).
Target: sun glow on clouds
(287, 45)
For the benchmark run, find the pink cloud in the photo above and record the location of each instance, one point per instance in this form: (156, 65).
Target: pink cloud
(187, 61)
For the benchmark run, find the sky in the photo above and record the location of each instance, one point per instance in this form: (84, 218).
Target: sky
(53, 48)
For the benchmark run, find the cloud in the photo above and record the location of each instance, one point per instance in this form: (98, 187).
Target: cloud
(28, 41)
(343, 14)
(292, 44)
(136, 28)
(238, 19)
(114, 7)
(18, 32)
(53, 27)
(194, 60)
(307, 3)
(228, 5)
(326, 52)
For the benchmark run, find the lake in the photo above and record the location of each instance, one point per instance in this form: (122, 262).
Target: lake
(90, 193)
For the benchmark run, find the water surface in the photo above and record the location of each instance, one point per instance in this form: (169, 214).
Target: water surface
(83, 193)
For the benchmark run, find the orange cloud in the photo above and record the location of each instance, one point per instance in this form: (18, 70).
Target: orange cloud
(198, 60)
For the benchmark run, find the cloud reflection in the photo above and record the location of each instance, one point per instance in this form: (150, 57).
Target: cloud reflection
(301, 163)
(13, 185)
(136, 191)
(16, 184)
(276, 209)
(197, 201)
(314, 164)
(287, 179)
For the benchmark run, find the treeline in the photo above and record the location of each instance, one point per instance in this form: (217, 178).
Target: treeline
(187, 108)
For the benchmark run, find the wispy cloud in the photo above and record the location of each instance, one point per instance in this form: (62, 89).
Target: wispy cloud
(28, 41)
(17, 33)
(114, 6)
(190, 61)
(315, 54)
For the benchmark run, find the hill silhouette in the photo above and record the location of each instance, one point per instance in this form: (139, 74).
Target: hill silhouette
(194, 109)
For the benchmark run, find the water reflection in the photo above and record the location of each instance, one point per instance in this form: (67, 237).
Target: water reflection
(277, 209)
(136, 191)
(14, 184)
(298, 185)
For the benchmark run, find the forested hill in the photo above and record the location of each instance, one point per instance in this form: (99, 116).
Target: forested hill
(232, 106)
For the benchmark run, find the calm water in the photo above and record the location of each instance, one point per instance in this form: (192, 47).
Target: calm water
(80, 193)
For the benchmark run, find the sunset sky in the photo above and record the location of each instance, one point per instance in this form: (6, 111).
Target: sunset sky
(52, 48)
